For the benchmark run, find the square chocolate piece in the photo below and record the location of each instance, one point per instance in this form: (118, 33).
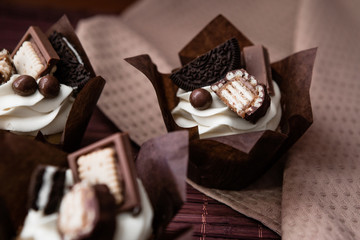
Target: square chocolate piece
(34, 54)
(109, 161)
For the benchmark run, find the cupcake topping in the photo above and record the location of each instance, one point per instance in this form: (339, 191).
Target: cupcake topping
(243, 95)
(209, 67)
(200, 99)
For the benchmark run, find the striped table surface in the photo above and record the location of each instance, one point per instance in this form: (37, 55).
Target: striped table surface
(208, 218)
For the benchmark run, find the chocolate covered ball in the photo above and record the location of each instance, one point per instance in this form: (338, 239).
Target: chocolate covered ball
(200, 99)
(24, 85)
(49, 86)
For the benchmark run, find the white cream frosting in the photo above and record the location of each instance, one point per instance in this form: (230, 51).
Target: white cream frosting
(219, 120)
(37, 226)
(30, 114)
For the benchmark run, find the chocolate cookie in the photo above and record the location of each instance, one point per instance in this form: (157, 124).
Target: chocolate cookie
(209, 67)
(70, 69)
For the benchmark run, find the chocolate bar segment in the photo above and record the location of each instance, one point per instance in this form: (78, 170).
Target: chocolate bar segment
(34, 55)
(243, 94)
(109, 161)
(257, 63)
(87, 212)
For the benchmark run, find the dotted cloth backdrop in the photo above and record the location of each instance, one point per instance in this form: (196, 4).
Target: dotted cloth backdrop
(316, 195)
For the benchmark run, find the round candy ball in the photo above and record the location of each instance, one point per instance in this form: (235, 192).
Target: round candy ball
(200, 99)
(49, 86)
(24, 85)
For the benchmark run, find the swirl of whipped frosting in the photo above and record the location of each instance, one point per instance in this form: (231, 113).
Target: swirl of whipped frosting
(30, 114)
(219, 120)
(129, 227)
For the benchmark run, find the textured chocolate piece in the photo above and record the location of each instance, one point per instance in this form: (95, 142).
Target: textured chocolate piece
(6, 66)
(19, 158)
(242, 93)
(209, 67)
(49, 86)
(257, 63)
(46, 53)
(87, 212)
(124, 172)
(250, 154)
(70, 69)
(200, 99)
(24, 85)
(49, 181)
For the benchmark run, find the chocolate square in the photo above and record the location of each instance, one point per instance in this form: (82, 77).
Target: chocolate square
(125, 169)
(42, 47)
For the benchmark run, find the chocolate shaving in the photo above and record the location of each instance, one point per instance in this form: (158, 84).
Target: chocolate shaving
(248, 155)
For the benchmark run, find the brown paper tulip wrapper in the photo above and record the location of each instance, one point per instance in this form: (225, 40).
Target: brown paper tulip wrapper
(161, 165)
(85, 101)
(233, 162)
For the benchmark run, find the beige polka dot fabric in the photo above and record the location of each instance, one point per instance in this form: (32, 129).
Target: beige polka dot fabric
(128, 98)
(321, 190)
(316, 195)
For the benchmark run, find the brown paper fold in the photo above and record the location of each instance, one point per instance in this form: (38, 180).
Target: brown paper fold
(20, 156)
(233, 162)
(162, 165)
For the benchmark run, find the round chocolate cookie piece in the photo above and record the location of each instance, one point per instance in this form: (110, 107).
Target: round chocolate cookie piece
(87, 212)
(24, 85)
(200, 99)
(49, 86)
(209, 67)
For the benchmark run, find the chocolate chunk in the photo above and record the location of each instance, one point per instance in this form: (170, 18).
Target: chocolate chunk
(209, 67)
(109, 161)
(200, 99)
(257, 63)
(34, 54)
(6, 66)
(49, 182)
(243, 94)
(70, 69)
(87, 212)
(49, 86)
(24, 85)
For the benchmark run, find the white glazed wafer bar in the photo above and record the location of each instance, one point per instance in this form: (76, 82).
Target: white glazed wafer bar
(99, 167)
(242, 93)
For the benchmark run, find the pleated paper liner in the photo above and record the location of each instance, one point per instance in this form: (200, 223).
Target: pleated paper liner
(165, 184)
(233, 162)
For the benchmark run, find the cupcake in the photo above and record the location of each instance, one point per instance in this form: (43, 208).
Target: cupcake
(45, 85)
(96, 192)
(241, 112)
